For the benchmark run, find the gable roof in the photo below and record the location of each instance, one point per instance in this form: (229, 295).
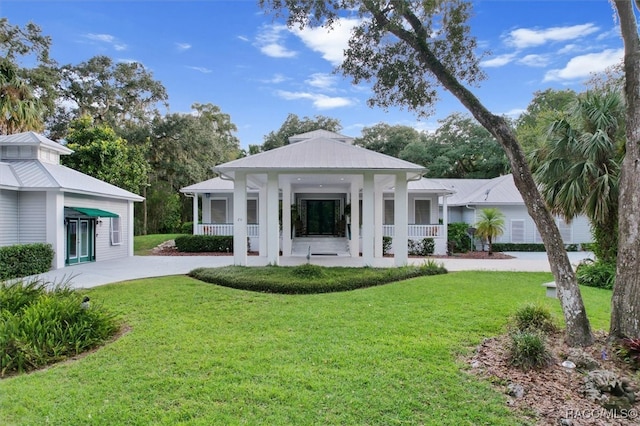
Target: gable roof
(34, 175)
(497, 191)
(33, 139)
(319, 155)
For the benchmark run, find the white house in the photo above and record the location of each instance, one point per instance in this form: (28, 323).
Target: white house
(470, 196)
(319, 184)
(41, 201)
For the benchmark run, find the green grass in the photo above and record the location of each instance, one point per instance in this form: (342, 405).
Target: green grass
(143, 244)
(201, 354)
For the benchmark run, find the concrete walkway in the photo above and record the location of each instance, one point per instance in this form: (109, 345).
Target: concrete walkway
(93, 274)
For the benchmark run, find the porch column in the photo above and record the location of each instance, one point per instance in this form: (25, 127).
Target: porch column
(195, 213)
(130, 228)
(355, 219)
(401, 221)
(263, 221)
(445, 221)
(55, 233)
(378, 219)
(240, 219)
(286, 219)
(273, 230)
(367, 220)
(206, 208)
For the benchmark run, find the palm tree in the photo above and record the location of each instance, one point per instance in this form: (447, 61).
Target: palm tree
(19, 110)
(578, 166)
(490, 225)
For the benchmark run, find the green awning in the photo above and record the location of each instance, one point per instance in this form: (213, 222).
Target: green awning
(92, 212)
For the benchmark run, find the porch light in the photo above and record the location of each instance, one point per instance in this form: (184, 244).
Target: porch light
(99, 221)
(207, 195)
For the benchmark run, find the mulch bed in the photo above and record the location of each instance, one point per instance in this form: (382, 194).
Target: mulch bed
(551, 395)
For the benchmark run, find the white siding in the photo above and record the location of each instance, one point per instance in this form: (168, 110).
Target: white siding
(104, 249)
(32, 214)
(8, 217)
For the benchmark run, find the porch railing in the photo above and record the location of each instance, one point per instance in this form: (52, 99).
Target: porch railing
(416, 231)
(253, 230)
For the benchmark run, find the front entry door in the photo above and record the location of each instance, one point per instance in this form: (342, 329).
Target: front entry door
(321, 215)
(80, 240)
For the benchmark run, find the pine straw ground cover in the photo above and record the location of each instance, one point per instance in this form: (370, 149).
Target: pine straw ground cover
(202, 354)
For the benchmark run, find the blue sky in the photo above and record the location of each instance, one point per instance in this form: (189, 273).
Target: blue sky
(229, 53)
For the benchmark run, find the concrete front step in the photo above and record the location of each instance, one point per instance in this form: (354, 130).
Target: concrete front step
(320, 246)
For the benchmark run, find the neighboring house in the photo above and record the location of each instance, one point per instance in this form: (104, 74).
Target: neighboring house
(307, 195)
(472, 195)
(83, 218)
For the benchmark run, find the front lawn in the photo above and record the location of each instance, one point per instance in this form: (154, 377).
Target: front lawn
(204, 354)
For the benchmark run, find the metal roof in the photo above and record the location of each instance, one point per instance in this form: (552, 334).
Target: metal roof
(35, 175)
(496, 191)
(7, 177)
(325, 134)
(33, 139)
(319, 155)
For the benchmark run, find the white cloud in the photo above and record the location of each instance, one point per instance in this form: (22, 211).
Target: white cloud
(270, 41)
(201, 69)
(534, 60)
(322, 81)
(583, 66)
(108, 39)
(276, 79)
(319, 101)
(183, 46)
(330, 43)
(514, 113)
(498, 61)
(243, 38)
(525, 37)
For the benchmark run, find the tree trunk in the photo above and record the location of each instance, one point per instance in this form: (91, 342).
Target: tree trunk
(578, 329)
(625, 304)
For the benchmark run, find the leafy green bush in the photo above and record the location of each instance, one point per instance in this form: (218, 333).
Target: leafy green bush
(25, 259)
(458, 237)
(186, 228)
(529, 247)
(40, 325)
(386, 245)
(424, 247)
(308, 279)
(596, 274)
(308, 270)
(205, 243)
(528, 350)
(534, 318)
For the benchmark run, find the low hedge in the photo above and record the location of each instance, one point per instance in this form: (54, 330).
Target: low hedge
(308, 278)
(205, 243)
(529, 247)
(22, 260)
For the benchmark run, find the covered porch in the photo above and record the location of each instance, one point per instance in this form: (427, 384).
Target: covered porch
(320, 196)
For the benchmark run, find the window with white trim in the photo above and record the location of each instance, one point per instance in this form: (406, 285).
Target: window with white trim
(422, 214)
(389, 213)
(252, 211)
(219, 210)
(517, 230)
(116, 232)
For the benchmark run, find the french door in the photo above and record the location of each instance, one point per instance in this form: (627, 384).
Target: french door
(80, 240)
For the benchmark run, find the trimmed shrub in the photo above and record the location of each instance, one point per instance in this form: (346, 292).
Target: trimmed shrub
(308, 270)
(386, 245)
(534, 318)
(457, 234)
(25, 259)
(529, 247)
(596, 274)
(40, 325)
(205, 243)
(528, 350)
(424, 247)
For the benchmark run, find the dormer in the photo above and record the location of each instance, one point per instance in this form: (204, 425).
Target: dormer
(31, 146)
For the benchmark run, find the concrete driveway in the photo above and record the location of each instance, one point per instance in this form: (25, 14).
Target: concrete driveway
(93, 274)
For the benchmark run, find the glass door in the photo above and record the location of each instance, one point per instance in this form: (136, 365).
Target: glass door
(321, 217)
(72, 241)
(80, 240)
